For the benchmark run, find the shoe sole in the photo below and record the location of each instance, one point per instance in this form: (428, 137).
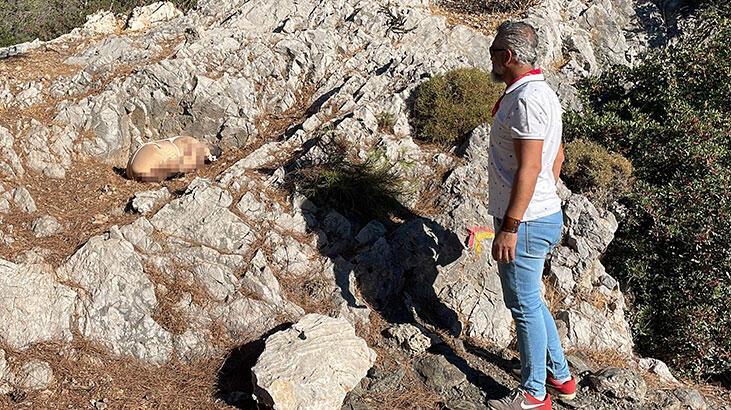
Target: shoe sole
(562, 396)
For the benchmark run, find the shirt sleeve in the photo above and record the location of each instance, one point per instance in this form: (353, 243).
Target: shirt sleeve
(528, 120)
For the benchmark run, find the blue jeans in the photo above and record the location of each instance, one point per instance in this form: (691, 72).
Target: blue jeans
(538, 340)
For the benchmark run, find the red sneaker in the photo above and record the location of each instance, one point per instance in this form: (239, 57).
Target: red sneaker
(519, 399)
(564, 391)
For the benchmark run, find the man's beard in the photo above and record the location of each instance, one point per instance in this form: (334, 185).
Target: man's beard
(496, 78)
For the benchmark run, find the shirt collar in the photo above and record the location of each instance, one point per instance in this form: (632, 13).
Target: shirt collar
(532, 75)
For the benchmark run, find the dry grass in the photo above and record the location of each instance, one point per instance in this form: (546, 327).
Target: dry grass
(482, 15)
(276, 123)
(598, 300)
(89, 189)
(43, 64)
(87, 373)
(603, 358)
(412, 393)
(169, 292)
(103, 192)
(22, 69)
(311, 291)
(430, 189)
(552, 297)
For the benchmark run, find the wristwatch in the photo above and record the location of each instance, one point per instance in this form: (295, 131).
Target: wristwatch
(510, 224)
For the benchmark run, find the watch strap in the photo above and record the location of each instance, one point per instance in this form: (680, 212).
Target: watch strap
(510, 224)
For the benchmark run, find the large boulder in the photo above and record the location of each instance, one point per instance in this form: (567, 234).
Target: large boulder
(312, 365)
(34, 307)
(119, 300)
(202, 216)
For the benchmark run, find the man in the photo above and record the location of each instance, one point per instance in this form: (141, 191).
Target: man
(525, 161)
(158, 160)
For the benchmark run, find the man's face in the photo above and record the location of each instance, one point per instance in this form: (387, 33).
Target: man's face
(498, 56)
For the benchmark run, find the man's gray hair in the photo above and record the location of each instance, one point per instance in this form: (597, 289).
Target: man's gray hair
(521, 39)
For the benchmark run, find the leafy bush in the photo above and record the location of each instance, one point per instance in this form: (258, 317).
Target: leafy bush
(601, 175)
(25, 20)
(366, 189)
(671, 117)
(448, 107)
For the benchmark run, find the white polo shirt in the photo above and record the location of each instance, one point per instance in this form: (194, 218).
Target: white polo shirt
(529, 109)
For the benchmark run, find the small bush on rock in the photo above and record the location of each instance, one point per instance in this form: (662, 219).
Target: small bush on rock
(365, 189)
(601, 175)
(671, 117)
(448, 107)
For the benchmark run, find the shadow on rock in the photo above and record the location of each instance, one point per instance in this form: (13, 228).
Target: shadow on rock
(393, 257)
(235, 384)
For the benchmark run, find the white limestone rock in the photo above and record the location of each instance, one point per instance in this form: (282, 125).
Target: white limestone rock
(34, 307)
(6, 375)
(34, 375)
(23, 200)
(10, 164)
(409, 338)
(202, 216)
(45, 226)
(659, 368)
(19, 49)
(147, 16)
(588, 327)
(369, 233)
(101, 22)
(145, 201)
(459, 290)
(139, 234)
(119, 301)
(312, 365)
(47, 149)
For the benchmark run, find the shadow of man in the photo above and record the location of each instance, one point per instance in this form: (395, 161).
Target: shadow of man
(395, 268)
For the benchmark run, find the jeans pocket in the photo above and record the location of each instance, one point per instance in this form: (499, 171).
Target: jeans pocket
(541, 237)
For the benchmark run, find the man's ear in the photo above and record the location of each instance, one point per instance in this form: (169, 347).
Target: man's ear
(509, 56)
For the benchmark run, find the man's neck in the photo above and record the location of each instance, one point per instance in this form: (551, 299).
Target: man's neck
(512, 75)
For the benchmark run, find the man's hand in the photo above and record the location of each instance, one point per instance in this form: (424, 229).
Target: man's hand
(503, 246)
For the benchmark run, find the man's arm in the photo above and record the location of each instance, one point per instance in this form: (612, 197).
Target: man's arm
(528, 154)
(557, 164)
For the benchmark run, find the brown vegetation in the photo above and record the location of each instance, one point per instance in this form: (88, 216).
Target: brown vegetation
(85, 373)
(481, 15)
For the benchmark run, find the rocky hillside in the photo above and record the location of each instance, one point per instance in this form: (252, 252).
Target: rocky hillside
(208, 288)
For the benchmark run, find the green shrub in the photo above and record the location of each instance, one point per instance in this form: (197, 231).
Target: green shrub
(671, 117)
(601, 175)
(364, 189)
(448, 107)
(25, 20)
